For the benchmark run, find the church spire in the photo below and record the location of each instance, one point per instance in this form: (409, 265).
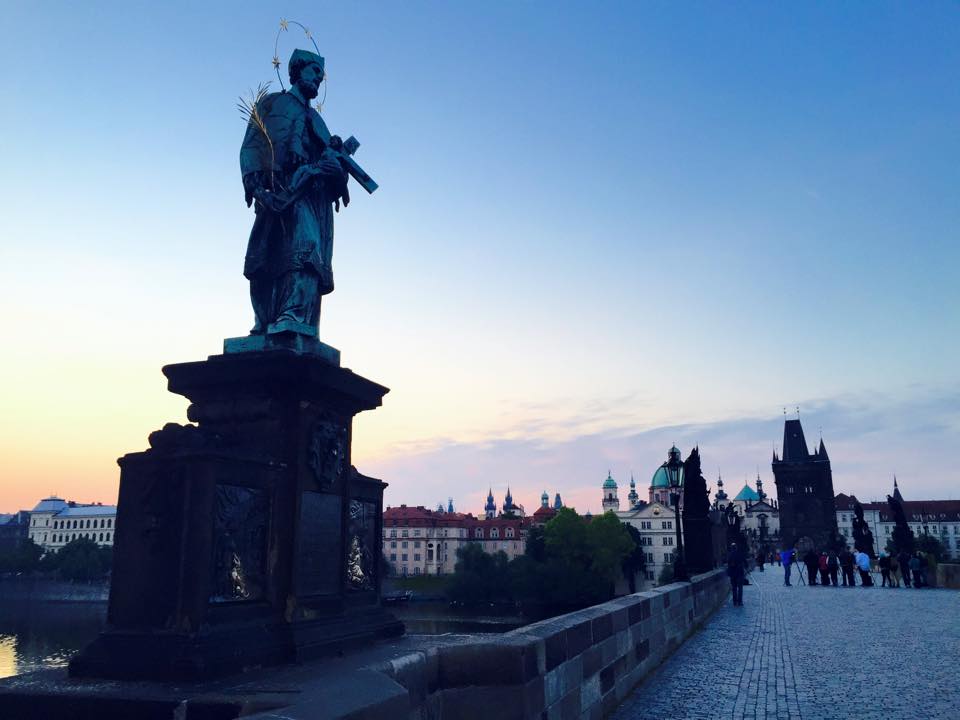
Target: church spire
(822, 451)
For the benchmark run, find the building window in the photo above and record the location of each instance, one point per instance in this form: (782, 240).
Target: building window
(644, 524)
(668, 540)
(416, 543)
(393, 532)
(404, 544)
(416, 571)
(479, 533)
(404, 570)
(416, 557)
(109, 522)
(416, 532)
(509, 532)
(789, 489)
(108, 537)
(101, 537)
(403, 557)
(667, 524)
(404, 533)
(393, 543)
(668, 557)
(494, 532)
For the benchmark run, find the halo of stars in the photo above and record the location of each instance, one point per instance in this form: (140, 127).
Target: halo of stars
(285, 27)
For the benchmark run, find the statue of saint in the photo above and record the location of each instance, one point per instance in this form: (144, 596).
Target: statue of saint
(295, 174)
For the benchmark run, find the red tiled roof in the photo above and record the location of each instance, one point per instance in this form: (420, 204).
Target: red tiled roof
(915, 510)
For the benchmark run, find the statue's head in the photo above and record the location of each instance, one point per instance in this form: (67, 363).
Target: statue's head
(306, 72)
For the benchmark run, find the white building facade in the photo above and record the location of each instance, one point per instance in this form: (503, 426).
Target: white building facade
(54, 522)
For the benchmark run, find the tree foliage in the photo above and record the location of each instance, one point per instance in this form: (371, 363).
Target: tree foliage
(80, 560)
(23, 558)
(568, 564)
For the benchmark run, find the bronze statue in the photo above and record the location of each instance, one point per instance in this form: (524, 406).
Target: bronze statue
(295, 174)
(862, 536)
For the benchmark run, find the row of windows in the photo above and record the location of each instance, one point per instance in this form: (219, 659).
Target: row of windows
(664, 524)
(66, 524)
(67, 537)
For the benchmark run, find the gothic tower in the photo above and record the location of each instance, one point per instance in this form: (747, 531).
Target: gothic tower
(490, 509)
(804, 491)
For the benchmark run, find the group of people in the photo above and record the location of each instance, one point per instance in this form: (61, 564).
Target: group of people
(829, 566)
(832, 568)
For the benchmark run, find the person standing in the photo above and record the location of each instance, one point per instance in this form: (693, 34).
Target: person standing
(863, 565)
(884, 563)
(812, 561)
(846, 567)
(903, 558)
(761, 559)
(824, 571)
(786, 558)
(894, 572)
(833, 565)
(778, 559)
(736, 571)
(915, 569)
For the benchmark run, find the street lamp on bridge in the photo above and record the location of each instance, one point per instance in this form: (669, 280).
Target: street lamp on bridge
(674, 469)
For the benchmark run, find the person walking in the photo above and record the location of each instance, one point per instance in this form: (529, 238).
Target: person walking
(863, 565)
(786, 558)
(736, 571)
(777, 556)
(903, 558)
(884, 564)
(812, 561)
(846, 567)
(833, 565)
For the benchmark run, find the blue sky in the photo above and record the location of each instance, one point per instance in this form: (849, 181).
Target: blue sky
(594, 222)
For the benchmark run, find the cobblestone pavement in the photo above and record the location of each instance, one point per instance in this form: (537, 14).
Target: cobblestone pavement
(813, 652)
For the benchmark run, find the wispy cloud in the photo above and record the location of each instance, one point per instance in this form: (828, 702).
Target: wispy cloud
(868, 439)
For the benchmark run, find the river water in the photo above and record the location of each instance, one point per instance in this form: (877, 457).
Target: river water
(40, 634)
(36, 634)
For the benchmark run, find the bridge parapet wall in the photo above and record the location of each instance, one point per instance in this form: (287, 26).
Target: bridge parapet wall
(579, 665)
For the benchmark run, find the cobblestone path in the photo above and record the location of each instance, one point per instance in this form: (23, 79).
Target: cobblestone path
(813, 652)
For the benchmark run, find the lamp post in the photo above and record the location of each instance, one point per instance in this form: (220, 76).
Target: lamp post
(675, 476)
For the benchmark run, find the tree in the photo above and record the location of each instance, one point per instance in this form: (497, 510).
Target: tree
(609, 543)
(83, 560)
(480, 578)
(24, 557)
(666, 575)
(930, 545)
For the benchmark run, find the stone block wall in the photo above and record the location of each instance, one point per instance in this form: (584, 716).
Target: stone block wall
(575, 666)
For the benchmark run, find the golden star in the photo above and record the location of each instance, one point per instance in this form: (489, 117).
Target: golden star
(283, 24)
(276, 61)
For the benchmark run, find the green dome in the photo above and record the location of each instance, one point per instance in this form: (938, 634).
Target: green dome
(609, 483)
(661, 479)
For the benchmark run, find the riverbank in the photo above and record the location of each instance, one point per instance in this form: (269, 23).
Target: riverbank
(42, 589)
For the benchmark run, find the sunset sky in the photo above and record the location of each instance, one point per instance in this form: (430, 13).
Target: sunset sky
(600, 229)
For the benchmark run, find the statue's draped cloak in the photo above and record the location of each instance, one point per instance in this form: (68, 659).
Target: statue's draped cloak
(300, 237)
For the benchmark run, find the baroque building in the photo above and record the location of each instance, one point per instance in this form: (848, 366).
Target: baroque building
(54, 522)
(805, 491)
(936, 518)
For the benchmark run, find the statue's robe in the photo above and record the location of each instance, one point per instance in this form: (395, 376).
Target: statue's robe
(289, 253)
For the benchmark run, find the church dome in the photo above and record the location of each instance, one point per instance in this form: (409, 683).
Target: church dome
(661, 479)
(609, 483)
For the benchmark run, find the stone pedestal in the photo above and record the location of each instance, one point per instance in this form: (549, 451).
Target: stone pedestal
(246, 539)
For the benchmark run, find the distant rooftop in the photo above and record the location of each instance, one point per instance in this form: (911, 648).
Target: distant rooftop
(50, 504)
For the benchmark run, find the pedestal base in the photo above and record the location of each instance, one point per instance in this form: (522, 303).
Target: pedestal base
(247, 539)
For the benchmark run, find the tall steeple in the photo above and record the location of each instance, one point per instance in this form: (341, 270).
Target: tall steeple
(490, 509)
(544, 499)
(794, 443)
(822, 452)
(449, 504)
(760, 493)
(557, 502)
(720, 497)
(632, 497)
(896, 490)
